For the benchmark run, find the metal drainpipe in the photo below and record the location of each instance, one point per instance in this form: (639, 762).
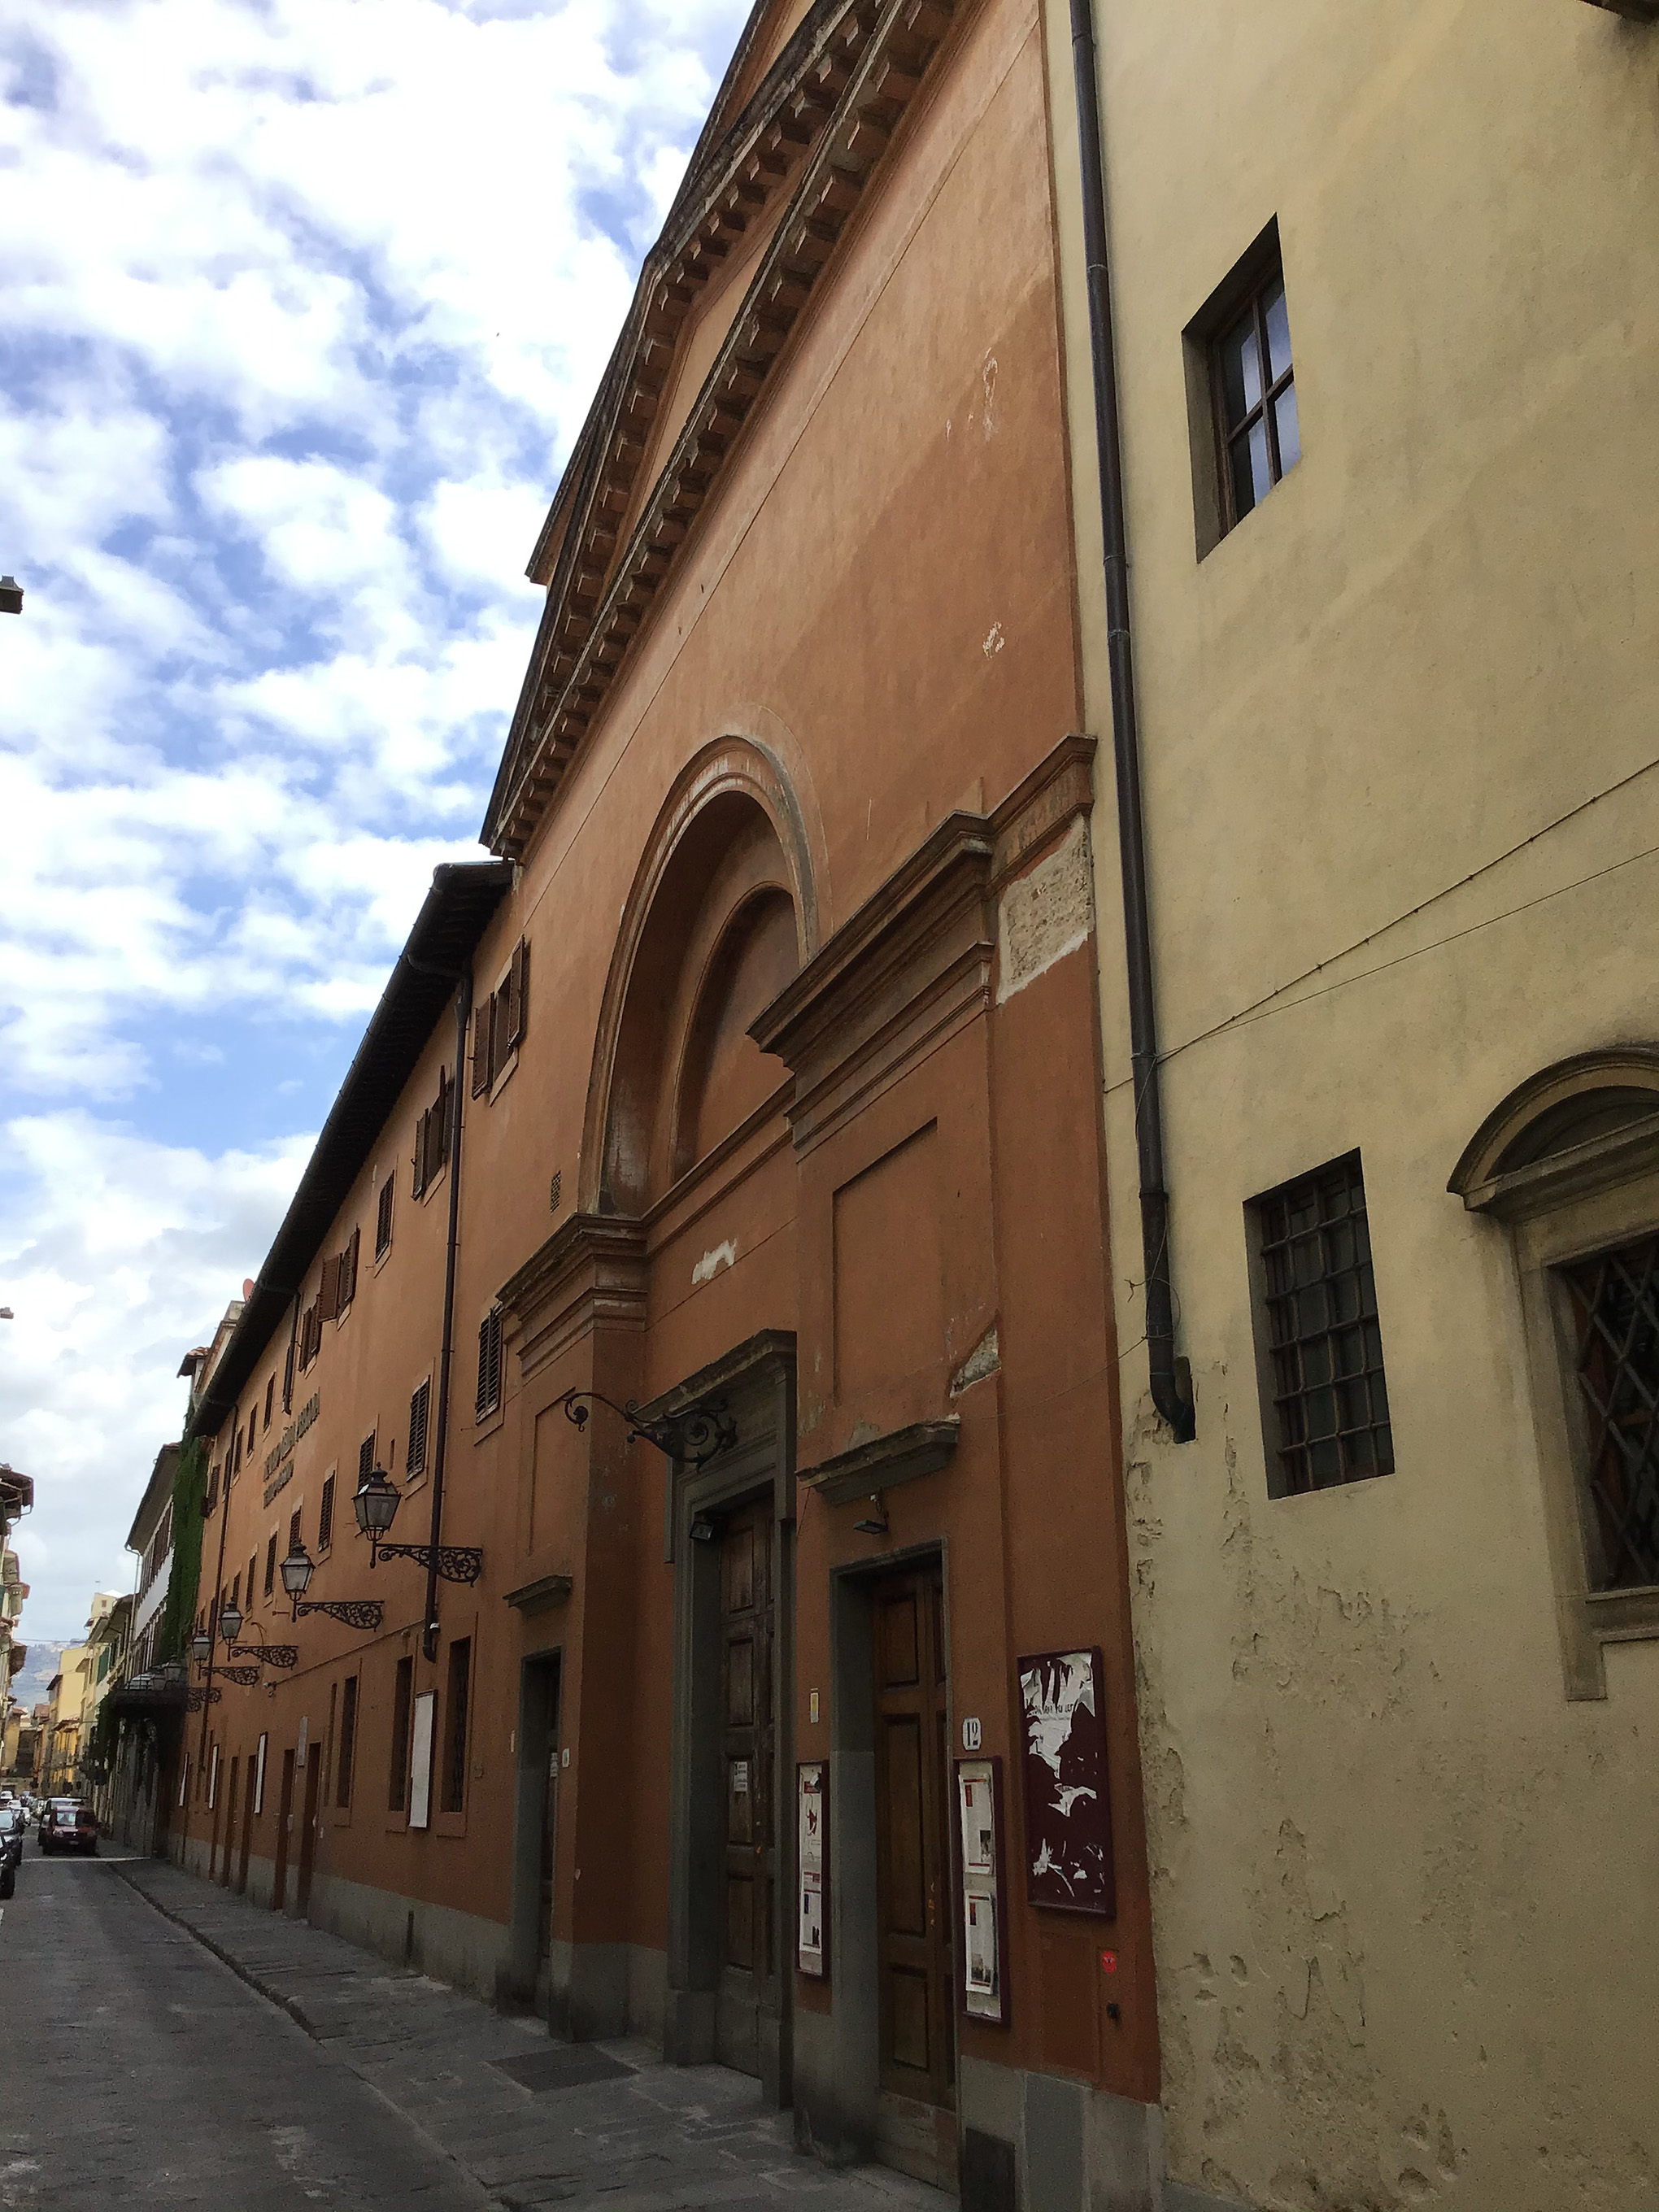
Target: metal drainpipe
(463, 1015)
(1172, 1402)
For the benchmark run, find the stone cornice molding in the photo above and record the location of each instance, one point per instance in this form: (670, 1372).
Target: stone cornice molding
(916, 961)
(817, 128)
(590, 1274)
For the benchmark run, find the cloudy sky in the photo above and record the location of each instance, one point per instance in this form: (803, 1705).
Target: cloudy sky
(303, 301)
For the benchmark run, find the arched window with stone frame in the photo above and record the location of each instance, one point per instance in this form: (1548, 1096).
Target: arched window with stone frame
(1567, 1166)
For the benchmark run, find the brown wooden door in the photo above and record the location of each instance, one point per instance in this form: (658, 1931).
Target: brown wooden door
(308, 1832)
(913, 1859)
(247, 1823)
(747, 1741)
(284, 1833)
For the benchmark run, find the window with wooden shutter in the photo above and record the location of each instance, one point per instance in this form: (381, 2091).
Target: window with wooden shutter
(516, 993)
(383, 1219)
(287, 1372)
(293, 1528)
(489, 1362)
(366, 1459)
(403, 1699)
(328, 1295)
(212, 1497)
(349, 1269)
(270, 1564)
(325, 1515)
(419, 1184)
(419, 1412)
(482, 1024)
(251, 1565)
(270, 1398)
(348, 1741)
(453, 1799)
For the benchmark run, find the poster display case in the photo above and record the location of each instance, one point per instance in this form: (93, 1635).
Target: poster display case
(982, 1982)
(813, 1865)
(1068, 1814)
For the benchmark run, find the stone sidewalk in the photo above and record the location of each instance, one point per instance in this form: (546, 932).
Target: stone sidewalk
(533, 2121)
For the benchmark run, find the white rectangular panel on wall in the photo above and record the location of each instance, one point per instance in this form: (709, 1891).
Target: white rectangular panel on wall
(419, 1771)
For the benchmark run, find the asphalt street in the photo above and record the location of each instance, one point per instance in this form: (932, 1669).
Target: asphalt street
(138, 2070)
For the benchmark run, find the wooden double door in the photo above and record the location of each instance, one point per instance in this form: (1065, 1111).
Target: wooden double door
(749, 1968)
(915, 1922)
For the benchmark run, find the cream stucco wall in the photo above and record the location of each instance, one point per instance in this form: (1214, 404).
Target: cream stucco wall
(1404, 1889)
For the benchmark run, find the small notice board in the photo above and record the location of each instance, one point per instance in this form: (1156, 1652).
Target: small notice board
(812, 1862)
(984, 1977)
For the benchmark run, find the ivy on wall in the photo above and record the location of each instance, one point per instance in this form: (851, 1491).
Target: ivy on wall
(189, 1491)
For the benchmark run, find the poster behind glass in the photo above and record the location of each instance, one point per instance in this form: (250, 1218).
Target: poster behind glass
(1068, 1826)
(811, 1844)
(979, 1847)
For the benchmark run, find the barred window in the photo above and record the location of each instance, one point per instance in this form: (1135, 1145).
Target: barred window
(419, 1413)
(489, 1362)
(1614, 1303)
(1330, 1421)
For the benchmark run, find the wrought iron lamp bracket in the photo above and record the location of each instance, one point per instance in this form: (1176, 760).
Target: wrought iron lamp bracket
(279, 1654)
(202, 1694)
(456, 1563)
(246, 1678)
(363, 1613)
(700, 1433)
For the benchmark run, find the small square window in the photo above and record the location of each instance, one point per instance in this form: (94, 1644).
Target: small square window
(1325, 1400)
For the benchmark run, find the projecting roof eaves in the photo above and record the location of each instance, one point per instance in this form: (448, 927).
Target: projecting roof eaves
(157, 1491)
(798, 156)
(458, 909)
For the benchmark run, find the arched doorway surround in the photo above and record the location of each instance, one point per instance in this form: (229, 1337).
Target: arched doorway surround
(723, 907)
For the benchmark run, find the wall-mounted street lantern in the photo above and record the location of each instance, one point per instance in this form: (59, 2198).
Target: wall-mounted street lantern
(298, 1568)
(201, 1647)
(230, 1622)
(376, 1508)
(693, 1438)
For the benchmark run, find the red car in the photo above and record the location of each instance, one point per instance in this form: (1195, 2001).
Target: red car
(68, 1827)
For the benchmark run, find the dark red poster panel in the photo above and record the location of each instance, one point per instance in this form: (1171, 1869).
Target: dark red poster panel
(1068, 1814)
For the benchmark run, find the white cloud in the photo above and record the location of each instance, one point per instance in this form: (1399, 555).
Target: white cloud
(118, 1254)
(305, 303)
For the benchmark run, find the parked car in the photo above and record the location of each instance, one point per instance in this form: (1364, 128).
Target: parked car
(69, 1826)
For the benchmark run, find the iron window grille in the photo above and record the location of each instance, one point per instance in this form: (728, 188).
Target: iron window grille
(1615, 1302)
(489, 1363)
(1253, 382)
(383, 1219)
(419, 1415)
(1324, 1341)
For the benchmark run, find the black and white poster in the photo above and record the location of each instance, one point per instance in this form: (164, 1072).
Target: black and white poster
(1068, 1828)
(811, 1842)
